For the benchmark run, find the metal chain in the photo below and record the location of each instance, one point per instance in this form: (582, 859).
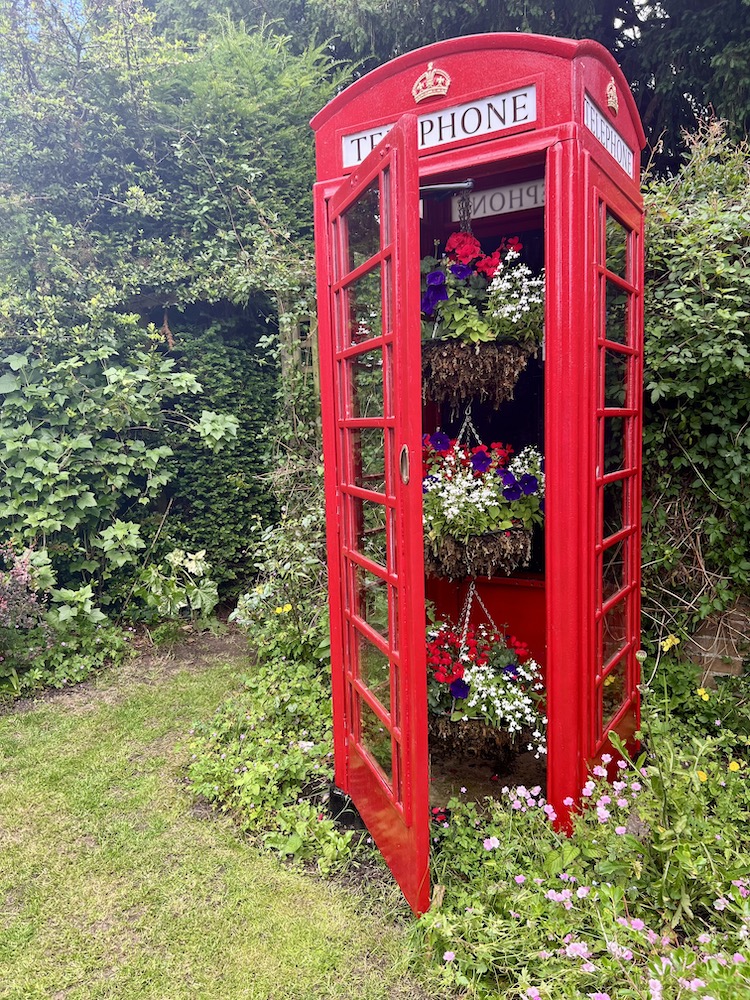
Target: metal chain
(464, 211)
(472, 594)
(468, 427)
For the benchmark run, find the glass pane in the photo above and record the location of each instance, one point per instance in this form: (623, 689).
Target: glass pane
(375, 671)
(376, 739)
(614, 569)
(612, 501)
(368, 526)
(615, 379)
(617, 247)
(614, 444)
(388, 380)
(372, 600)
(614, 631)
(366, 384)
(367, 458)
(364, 301)
(388, 296)
(386, 207)
(614, 689)
(363, 227)
(616, 320)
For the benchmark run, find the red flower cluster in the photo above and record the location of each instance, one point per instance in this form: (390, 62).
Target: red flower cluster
(465, 249)
(521, 649)
(483, 459)
(444, 651)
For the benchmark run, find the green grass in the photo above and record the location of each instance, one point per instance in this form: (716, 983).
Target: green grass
(113, 885)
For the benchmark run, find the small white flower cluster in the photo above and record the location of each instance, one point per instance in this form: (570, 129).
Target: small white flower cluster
(528, 462)
(515, 292)
(460, 490)
(507, 702)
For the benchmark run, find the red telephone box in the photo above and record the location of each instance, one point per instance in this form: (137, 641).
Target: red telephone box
(548, 132)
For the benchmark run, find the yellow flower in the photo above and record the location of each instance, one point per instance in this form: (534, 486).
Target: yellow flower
(733, 765)
(283, 610)
(669, 642)
(702, 776)
(702, 693)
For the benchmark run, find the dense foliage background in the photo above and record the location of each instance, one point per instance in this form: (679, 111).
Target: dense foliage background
(156, 272)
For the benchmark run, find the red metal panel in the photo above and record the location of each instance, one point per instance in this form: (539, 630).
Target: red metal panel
(391, 789)
(569, 452)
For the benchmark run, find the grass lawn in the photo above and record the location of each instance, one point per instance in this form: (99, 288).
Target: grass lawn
(112, 884)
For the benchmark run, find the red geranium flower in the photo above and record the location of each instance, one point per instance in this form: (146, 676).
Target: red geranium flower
(463, 247)
(488, 265)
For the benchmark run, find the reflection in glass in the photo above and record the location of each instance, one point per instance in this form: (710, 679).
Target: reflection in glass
(368, 521)
(365, 308)
(614, 631)
(614, 689)
(615, 379)
(367, 458)
(614, 569)
(376, 739)
(372, 600)
(613, 514)
(617, 247)
(366, 375)
(362, 221)
(616, 320)
(614, 444)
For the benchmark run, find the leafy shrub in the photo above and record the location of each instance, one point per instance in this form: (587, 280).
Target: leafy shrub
(218, 496)
(48, 637)
(696, 435)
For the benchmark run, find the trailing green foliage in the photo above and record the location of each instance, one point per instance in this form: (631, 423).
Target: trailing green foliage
(697, 392)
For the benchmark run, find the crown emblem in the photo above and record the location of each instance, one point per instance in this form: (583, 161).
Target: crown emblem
(612, 102)
(432, 83)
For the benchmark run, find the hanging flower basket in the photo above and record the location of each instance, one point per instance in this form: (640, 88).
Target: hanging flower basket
(454, 371)
(484, 691)
(479, 505)
(496, 553)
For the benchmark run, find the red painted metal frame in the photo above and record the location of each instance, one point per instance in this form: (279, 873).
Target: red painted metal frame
(581, 175)
(398, 815)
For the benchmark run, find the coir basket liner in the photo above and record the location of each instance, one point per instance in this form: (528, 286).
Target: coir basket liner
(497, 553)
(453, 372)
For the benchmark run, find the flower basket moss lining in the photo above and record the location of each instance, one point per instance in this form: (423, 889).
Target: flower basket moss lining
(453, 371)
(471, 739)
(493, 554)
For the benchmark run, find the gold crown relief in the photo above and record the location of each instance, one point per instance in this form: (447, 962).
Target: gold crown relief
(612, 102)
(432, 83)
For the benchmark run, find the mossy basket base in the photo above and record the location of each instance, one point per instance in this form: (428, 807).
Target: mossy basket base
(453, 372)
(470, 740)
(494, 554)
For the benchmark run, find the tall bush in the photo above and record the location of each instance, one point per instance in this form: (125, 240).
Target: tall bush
(697, 389)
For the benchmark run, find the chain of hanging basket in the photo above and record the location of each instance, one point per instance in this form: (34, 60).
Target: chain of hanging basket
(472, 594)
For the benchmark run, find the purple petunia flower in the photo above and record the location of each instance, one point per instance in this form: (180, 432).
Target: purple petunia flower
(426, 480)
(512, 492)
(436, 292)
(529, 484)
(459, 688)
(506, 477)
(480, 461)
(439, 441)
(462, 271)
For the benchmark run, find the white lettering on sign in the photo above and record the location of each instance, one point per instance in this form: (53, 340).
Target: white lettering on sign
(475, 118)
(609, 137)
(500, 201)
